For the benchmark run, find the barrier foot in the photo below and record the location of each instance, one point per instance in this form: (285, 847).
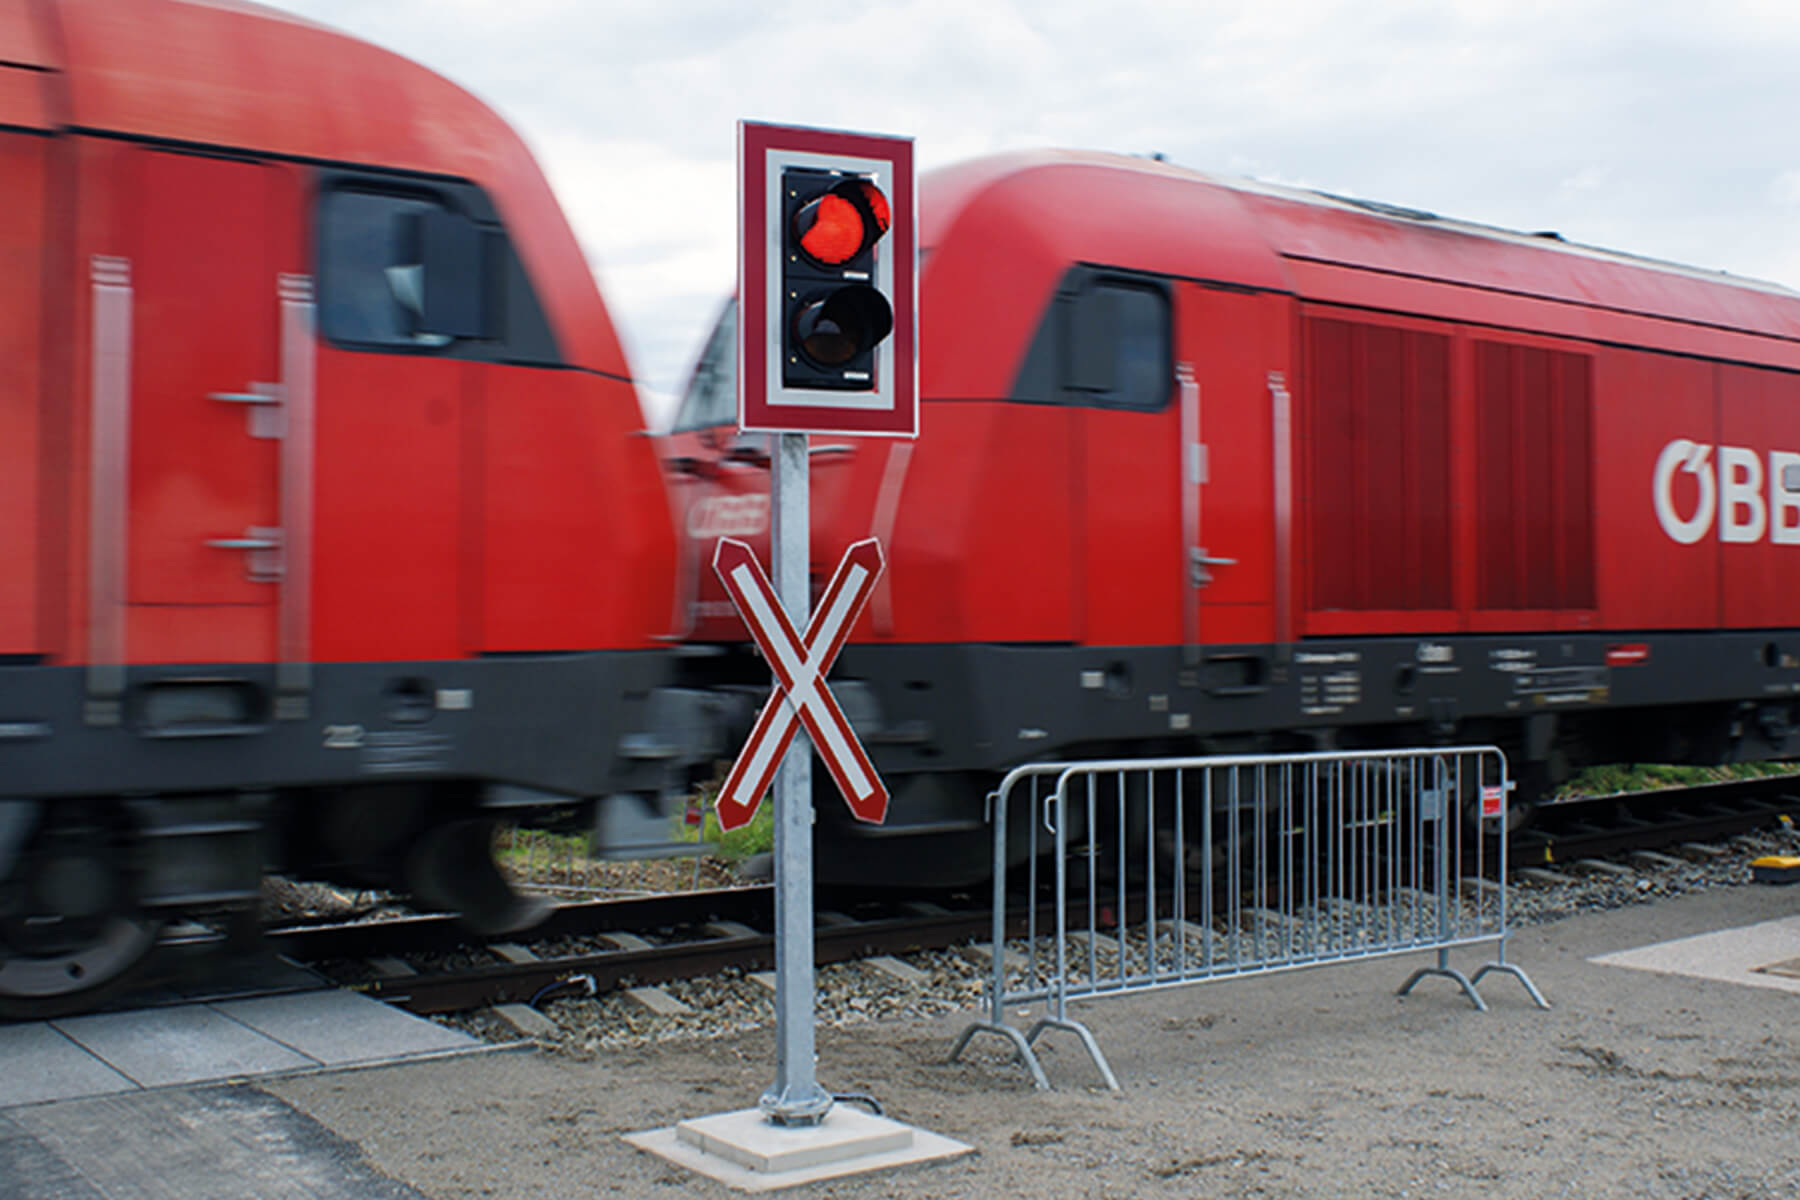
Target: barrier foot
(1026, 1054)
(1087, 1039)
(1519, 974)
(1462, 981)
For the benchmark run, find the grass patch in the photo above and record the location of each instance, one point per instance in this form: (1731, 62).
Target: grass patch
(518, 847)
(1623, 778)
(758, 837)
(542, 854)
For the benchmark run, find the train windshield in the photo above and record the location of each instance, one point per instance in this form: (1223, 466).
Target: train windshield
(711, 397)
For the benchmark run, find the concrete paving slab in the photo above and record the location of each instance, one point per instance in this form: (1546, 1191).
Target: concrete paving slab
(339, 1028)
(26, 1163)
(1733, 955)
(42, 1064)
(107, 1053)
(214, 1143)
(187, 1044)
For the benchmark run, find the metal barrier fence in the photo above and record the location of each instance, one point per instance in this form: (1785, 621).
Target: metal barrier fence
(1232, 866)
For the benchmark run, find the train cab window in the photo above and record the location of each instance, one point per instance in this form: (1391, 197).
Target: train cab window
(425, 270)
(398, 271)
(1116, 345)
(711, 397)
(1104, 341)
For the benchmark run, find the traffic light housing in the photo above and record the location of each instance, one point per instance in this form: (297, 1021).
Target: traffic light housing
(827, 282)
(833, 315)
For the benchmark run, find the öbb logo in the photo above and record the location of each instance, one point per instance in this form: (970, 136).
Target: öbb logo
(1731, 491)
(745, 516)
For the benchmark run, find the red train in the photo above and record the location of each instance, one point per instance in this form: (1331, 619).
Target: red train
(1212, 466)
(329, 535)
(332, 536)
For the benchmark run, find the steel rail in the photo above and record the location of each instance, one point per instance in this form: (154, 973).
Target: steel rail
(520, 982)
(1612, 825)
(441, 931)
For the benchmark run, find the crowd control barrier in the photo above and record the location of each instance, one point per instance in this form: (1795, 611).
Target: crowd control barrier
(1141, 874)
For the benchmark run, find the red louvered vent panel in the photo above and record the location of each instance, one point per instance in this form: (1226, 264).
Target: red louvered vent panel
(1378, 411)
(1534, 489)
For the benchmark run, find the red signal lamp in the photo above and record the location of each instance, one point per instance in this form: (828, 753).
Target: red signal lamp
(827, 282)
(839, 226)
(835, 314)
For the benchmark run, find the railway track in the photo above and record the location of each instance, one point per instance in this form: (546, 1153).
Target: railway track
(1611, 826)
(596, 947)
(606, 944)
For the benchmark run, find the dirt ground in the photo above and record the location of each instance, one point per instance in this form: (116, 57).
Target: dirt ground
(1318, 1083)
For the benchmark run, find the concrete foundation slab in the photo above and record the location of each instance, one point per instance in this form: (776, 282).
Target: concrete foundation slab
(744, 1150)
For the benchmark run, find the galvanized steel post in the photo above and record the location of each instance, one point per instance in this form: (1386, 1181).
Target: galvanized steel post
(795, 1098)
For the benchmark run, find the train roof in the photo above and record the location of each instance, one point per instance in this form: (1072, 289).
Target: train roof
(240, 76)
(1143, 214)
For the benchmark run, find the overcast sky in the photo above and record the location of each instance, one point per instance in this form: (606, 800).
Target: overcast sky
(1667, 129)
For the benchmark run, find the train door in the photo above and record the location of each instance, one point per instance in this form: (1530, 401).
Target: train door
(24, 210)
(206, 409)
(1232, 397)
(1116, 366)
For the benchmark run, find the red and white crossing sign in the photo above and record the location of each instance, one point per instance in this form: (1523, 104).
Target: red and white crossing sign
(800, 691)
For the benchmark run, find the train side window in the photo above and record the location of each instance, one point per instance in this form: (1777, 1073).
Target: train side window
(424, 268)
(397, 270)
(711, 397)
(1116, 345)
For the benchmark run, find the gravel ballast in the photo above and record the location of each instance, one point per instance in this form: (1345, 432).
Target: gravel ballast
(848, 994)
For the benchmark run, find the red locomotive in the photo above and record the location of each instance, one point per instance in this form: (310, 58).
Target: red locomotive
(1212, 466)
(332, 537)
(328, 535)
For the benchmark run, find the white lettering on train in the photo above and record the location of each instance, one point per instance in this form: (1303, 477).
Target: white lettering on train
(745, 516)
(1729, 493)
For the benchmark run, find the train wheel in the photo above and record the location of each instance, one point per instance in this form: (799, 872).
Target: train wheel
(452, 866)
(68, 940)
(77, 970)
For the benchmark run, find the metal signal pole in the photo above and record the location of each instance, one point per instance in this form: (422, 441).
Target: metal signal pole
(795, 1098)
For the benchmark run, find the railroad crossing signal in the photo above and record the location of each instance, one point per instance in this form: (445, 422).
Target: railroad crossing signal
(833, 316)
(827, 282)
(800, 691)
